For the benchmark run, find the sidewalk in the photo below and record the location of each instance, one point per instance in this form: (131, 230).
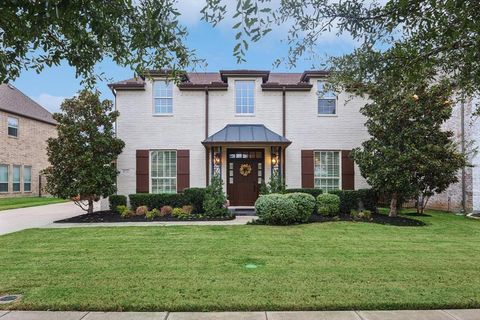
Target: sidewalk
(454, 314)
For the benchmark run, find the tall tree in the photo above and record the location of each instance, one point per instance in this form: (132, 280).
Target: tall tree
(409, 153)
(142, 35)
(395, 38)
(82, 154)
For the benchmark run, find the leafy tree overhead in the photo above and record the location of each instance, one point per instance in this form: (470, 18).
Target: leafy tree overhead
(82, 154)
(400, 39)
(409, 153)
(142, 34)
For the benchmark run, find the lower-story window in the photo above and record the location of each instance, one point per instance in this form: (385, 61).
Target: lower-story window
(27, 179)
(3, 178)
(16, 178)
(327, 170)
(163, 171)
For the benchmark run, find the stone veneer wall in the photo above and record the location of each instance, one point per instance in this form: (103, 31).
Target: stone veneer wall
(28, 149)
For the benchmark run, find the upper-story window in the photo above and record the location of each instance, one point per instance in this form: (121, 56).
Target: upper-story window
(327, 100)
(162, 97)
(245, 96)
(12, 126)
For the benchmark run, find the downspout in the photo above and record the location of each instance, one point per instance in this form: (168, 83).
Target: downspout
(207, 167)
(462, 125)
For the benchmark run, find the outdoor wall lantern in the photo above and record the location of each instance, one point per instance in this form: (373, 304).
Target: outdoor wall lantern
(216, 159)
(274, 159)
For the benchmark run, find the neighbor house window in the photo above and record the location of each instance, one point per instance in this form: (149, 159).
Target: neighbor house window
(162, 97)
(244, 97)
(327, 170)
(16, 178)
(163, 171)
(327, 100)
(27, 179)
(3, 178)
(12, 127)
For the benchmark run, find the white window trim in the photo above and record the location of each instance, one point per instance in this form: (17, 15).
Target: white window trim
(18, 126)
(336, 103)
(8, 177)
(157, 114)
(150, 169)
(246, 114)
(19, 178)
(340, 173)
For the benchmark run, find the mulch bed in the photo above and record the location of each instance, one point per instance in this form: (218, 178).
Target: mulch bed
(376, 218)
(109, 216)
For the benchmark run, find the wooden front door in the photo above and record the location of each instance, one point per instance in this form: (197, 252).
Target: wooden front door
(245, 172)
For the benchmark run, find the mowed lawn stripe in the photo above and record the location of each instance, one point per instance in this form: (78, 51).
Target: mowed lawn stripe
(335, 265)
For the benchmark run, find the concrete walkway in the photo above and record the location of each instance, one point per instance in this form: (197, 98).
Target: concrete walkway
(464, 314)
(35, 217)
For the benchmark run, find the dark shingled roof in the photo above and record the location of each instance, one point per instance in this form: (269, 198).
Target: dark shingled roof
(246, 133)
(14, 101)
(199, 80)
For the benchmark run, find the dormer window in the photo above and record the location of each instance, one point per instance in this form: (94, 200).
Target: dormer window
(162, 97)
(245, 97)
(327, 100)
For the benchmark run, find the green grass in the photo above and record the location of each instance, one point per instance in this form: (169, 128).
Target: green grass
(335, 265)
(24, 202)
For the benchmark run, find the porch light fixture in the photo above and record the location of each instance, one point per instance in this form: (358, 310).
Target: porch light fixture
(216, 159)
(274, 159)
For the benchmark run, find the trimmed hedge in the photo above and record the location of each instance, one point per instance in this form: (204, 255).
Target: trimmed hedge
(152, 200)
(348, 200)
(305, 204)
(369, 198)
(116, 200)
(195, 197)
(312, 191)
(276, 209)
(328, 204)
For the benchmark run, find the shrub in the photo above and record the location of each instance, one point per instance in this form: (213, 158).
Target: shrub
(152, 214)
(276, 209)
(361, 215)
(187, 209)
(117, 200)
(180, 213)
(196, 197)
(328, 204)
(348, 200)
(312, 191)
(124, 211)
(368, 198)
(166, 211)
(141, 211)
(159, 200)
(215, 199)
(304, 203)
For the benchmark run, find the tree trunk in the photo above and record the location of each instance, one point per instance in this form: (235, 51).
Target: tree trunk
(393, 205)
(90, 206)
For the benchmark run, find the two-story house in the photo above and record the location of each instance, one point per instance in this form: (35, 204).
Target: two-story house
(242, 124)
(25, 127)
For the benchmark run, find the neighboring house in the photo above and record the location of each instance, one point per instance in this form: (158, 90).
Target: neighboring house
(242, 124)
(24, 129)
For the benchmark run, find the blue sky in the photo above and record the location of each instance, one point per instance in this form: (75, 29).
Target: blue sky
(215, 45)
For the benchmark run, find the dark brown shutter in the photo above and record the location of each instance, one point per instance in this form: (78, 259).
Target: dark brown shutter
(348, 171)
(183, 169)
(307, 169)
(142, 171)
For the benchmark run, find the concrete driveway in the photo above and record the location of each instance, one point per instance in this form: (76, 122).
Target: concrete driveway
(34, 217)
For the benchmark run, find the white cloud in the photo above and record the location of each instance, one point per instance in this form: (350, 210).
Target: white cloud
(49, 102)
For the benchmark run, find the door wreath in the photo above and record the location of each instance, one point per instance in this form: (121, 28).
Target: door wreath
(245, 169)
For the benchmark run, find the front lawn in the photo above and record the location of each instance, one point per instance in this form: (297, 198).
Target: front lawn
(333, 265)
(24, 202)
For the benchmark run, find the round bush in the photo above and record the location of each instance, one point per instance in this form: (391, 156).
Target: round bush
(304, 203)
(276, 209)
(328, 204)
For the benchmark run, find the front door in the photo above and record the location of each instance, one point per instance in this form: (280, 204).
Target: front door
(245, 174)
